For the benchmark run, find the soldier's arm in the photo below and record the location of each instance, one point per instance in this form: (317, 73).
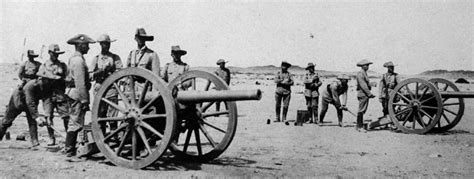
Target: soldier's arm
(381, 87)
(344, 98)
(335, 96)
(363, 85)
(42, 72)
(21, 71)
(227, 80)
(129, 60)
(290, 80)
(165, 73)
(118, 63)
(187, 83)
(318, 82)
(278, 79)
(79, 77)
(155, 63)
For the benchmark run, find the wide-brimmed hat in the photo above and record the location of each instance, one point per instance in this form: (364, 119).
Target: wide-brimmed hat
(80, 39)
(343, 77)
(388, 64)
(55, 49)
(363, 62)
(105, 38)
(310, 65)
(141, 33)
(31, 53)
(221, 61)
(177, 50)
(285, 63)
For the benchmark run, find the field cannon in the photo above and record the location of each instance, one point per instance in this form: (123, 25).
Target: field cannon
(419, 106)
(150, 116)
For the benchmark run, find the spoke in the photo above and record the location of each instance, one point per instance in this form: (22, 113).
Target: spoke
(214, 114)
(122, 143)
(118, 118)
(427, 115)
(186, 142)
(416, 90)
(205, 107)
(445, 99)
(414, 121)
(116, 106)
(400, 104)
(208, 84)
(149, 104)
(446, 118)
(420, 120)
(410, 92)
(194, 84)
(428, 107)
(214, 127)
(143, 94)
(424, 101)
(151, 129)
(198, 141)
(143, 137)
(207, 135)
(405, 98)
(445, 87)
(447, 110)
(152, 116)
(424, 92)
(450, 104)
(134, 143)
(124, 98)
(121, 127)
(132, 89)
(403, 111)
(407, 117)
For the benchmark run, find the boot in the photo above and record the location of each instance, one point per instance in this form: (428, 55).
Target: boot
(360, 120)
(2, 132)
(34, 135)
(285, 111)
(310, 116)
(70, 144)
(277, 110)
(52, 139)
(315, 113)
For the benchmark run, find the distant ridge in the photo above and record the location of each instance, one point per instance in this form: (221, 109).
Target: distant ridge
(455, 74)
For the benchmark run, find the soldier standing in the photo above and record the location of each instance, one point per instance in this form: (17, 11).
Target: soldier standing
(312, 84)
(79, 92)
(17, 103)
(144, 57)
(103, 65)
(387, 84)
(176, 67)
(331, 95)
(284, 81)
(224, 73)
(52, 76)
(363, 93)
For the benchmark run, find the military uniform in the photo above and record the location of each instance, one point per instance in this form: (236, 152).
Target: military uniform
(284, 81)
(173, 70)
(330, 95)
(224, 74)
(20, 99)
(312, 84)
(363, 93)
(386, 86)
(144, 58)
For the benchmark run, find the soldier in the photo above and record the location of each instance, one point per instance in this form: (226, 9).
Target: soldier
(177, 67)
(79, 90)
(284, 81)
(18, 104)
(363, 93)
(331, 95)
(312, 84)
(52, 76)
(387, 84)
(224, 73)
(143, 56)
(103, 65)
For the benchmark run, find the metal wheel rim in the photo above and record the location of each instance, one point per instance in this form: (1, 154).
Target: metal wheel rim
(442, 126)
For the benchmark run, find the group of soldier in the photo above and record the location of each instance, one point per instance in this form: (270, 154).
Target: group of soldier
(66, 87)
(334, 93)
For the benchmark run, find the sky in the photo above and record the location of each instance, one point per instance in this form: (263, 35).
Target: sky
(335, 35)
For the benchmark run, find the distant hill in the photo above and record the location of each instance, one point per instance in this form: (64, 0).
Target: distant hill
(449, 74)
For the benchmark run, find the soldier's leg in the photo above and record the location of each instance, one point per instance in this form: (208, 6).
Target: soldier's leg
(62, 108)
(385, 106)
(32, 92)
(339, 116)
(11, 113)
(309, 109)
(363, 103)
(286, 104)
(76, 123)
(48, 107)
(278, 99)
(33, 128)
(314, 107)
(113, 112)
(324, 109)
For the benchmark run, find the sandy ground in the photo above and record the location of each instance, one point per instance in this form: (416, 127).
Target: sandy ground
(276, 150)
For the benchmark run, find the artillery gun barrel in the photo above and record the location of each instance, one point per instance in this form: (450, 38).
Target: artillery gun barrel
(224, 95)
(457, 94)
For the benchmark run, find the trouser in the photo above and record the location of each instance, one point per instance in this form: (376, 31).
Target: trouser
(312, 106)
(76, 123)
(385, 106)
(324, 109)
(363, 104)
(62, 107)
(218, 105)
(108, 111)
(286, 102)
(15, 107)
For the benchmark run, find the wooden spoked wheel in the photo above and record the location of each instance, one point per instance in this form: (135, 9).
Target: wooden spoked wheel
(204, 132)
(415, 106)
(453, 108)
(145, 120)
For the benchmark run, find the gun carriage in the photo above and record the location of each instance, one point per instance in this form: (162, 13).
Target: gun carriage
(153, 116)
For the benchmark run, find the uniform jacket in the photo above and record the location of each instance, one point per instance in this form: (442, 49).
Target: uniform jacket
(332, 92)
(28, 70)
(363, 87)
(144, 58)
(387, 84)
(284, 81)
(173, 70)
(103, 65)
(79, 78)
(312, 84)
(224, 74)
(48, 71)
